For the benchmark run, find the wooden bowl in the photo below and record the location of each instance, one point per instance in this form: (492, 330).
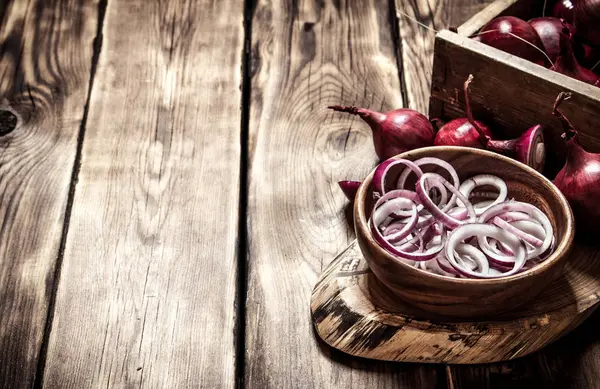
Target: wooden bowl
(471, 298)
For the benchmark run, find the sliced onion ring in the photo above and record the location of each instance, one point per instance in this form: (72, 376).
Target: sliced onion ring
(384, 168)
(477, 257)
(413, 256)
(439, 214)
(484, 179)
(485, 230)
(524, 236)
(438, 162)
(518, 206)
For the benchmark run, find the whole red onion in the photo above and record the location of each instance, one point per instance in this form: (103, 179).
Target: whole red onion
(567, 64)
(565, 9)
(550, 29)
(460, 131)
(500, 33)
(587, 21)
(579, 179)
(529, 148)
(394, 132)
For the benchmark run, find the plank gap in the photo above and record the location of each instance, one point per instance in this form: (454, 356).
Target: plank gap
(242, 280)
(397, 39)
(97, 47)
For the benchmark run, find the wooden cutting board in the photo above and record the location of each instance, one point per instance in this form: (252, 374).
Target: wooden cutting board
(353, 313)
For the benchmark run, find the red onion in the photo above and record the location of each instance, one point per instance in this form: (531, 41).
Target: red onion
(436, 184)
(529, 148)
(587, 19)
(394, 132)
(579, 179)
(567, 64)
(565, 9)
(349, 188)
(460, 132)
(500, 33)
(550, 29)
(588, 57)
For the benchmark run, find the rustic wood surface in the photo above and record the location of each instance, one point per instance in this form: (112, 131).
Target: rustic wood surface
(417, 41)
(148, 283)
(152, 263)
(306, 57)
(45, 56)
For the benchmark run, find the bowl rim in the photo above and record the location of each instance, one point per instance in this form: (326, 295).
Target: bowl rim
(562, 248)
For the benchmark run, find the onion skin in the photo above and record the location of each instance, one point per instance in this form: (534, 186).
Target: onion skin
(349, 188)
(565, 9)
(587, 56)
(549, 30)
(587, 20)
(505, 42)
(460, 132)
(395, 132)
(579, 179)
(567, 64)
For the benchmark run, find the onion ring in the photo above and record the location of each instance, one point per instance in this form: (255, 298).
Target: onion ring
(483, 230)
(439, 214)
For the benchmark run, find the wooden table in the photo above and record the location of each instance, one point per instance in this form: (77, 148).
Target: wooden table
(169, 193)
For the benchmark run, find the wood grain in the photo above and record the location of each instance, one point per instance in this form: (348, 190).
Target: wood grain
(45, 57)
(147, 290)
(418, 42)
(307, 55)
(354, 313)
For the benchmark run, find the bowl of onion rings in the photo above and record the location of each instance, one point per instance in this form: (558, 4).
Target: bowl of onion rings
(462, 232)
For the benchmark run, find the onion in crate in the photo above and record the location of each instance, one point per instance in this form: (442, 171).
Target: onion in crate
(514, 36)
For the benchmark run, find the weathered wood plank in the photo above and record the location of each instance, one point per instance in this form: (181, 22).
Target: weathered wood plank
(418, 42)
(570, 363)
(307, 55)
(146, 296)
(45, 57)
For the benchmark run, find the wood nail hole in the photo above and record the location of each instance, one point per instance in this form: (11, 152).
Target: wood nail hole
(8, 122)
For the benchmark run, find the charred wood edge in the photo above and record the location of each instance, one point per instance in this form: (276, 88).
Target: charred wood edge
(97, 47)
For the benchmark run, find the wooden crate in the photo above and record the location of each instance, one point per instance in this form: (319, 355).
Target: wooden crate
(510, 94)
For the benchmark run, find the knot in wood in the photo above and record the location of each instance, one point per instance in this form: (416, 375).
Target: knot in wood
(8, 122)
